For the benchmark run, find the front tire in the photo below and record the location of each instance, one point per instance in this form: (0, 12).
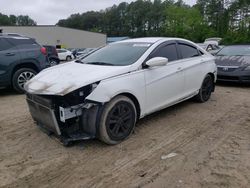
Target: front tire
(117, 120)
(20, 77)
(205, 90)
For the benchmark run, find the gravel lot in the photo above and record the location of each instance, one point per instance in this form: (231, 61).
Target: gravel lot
(211, 140)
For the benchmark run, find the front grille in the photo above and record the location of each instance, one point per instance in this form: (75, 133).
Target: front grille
(226, 69)
(233, 78)
(41, 110)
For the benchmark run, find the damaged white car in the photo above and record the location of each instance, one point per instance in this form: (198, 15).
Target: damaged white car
(104, 94)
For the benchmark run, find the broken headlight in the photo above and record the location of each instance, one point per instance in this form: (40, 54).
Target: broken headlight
(78, 96)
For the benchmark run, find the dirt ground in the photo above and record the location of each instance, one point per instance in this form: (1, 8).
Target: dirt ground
(211, 142)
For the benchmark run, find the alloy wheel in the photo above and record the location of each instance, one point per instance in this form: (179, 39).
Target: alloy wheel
(24, 77)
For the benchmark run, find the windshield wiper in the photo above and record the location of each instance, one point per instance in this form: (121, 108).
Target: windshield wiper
(100, 63)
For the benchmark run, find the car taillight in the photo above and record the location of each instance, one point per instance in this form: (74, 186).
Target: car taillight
(44, 51)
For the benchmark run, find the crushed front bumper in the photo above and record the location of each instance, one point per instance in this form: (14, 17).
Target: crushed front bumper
(43, 114)
(47, 116)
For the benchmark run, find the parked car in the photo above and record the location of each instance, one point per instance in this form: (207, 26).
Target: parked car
(65, 55)
(233, 63)
(105, 93)
(213, 40)
(52, 55)
(83, 55)
(74, 51)
(84, 52)
(21, 58)
(211, 48)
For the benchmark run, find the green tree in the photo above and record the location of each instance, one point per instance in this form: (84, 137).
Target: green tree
(24, 21)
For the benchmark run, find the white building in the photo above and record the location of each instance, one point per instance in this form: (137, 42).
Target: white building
(59, 36)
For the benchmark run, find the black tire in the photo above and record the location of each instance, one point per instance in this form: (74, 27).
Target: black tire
(205, 90)
(68, 58)
(20, 77)
(117, 120)
(53, 62)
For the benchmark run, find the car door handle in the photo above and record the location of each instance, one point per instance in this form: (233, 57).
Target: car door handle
(9, 54)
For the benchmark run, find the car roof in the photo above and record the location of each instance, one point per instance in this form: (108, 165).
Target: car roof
(145, 39)
(14, 37)
(150, 40)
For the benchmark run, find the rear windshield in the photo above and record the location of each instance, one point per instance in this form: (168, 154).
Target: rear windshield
(235, 51)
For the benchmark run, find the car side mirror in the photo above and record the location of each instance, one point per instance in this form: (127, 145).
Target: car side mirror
(157, 61)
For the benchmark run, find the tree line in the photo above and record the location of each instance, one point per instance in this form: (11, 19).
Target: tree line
(228, 19)
(12, 20)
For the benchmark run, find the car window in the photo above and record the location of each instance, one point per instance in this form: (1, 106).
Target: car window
(169, 51)
(49, 49)
(188, 51)
(209, 48)
(4, 45)
(215, 47)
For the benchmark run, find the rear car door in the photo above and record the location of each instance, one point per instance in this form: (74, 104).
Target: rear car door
(9, 57)
(164, 84)
(192, 64)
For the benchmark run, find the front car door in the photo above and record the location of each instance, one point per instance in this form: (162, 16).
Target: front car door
(164, 84)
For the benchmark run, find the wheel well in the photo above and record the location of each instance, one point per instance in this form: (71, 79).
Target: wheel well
(213, 77)
(135, 101)
(25, 65)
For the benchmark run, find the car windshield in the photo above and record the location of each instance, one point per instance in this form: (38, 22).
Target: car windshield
(119, 54)
(243, 50)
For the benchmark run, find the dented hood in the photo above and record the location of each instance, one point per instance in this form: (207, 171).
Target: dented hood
(65, 78)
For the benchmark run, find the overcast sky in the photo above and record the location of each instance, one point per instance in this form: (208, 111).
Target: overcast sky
(47, 12)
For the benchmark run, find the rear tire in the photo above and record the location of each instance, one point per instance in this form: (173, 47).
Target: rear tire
(68, 58)
(20, 77)
(117, 120)
(53, 62)
(205, 90)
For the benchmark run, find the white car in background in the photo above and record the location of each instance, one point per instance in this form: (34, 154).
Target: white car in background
(64, 55)
(104, 94)
(84, 52)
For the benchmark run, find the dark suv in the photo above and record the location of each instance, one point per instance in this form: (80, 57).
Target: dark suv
(21, 58)
(52, 55)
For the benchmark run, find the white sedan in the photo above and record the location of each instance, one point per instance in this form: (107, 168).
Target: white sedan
(64, 55)
(104, 94)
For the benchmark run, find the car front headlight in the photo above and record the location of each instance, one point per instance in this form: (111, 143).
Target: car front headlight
(247, 68)
(88, 89)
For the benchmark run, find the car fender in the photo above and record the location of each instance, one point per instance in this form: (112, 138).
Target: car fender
(131, 83)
